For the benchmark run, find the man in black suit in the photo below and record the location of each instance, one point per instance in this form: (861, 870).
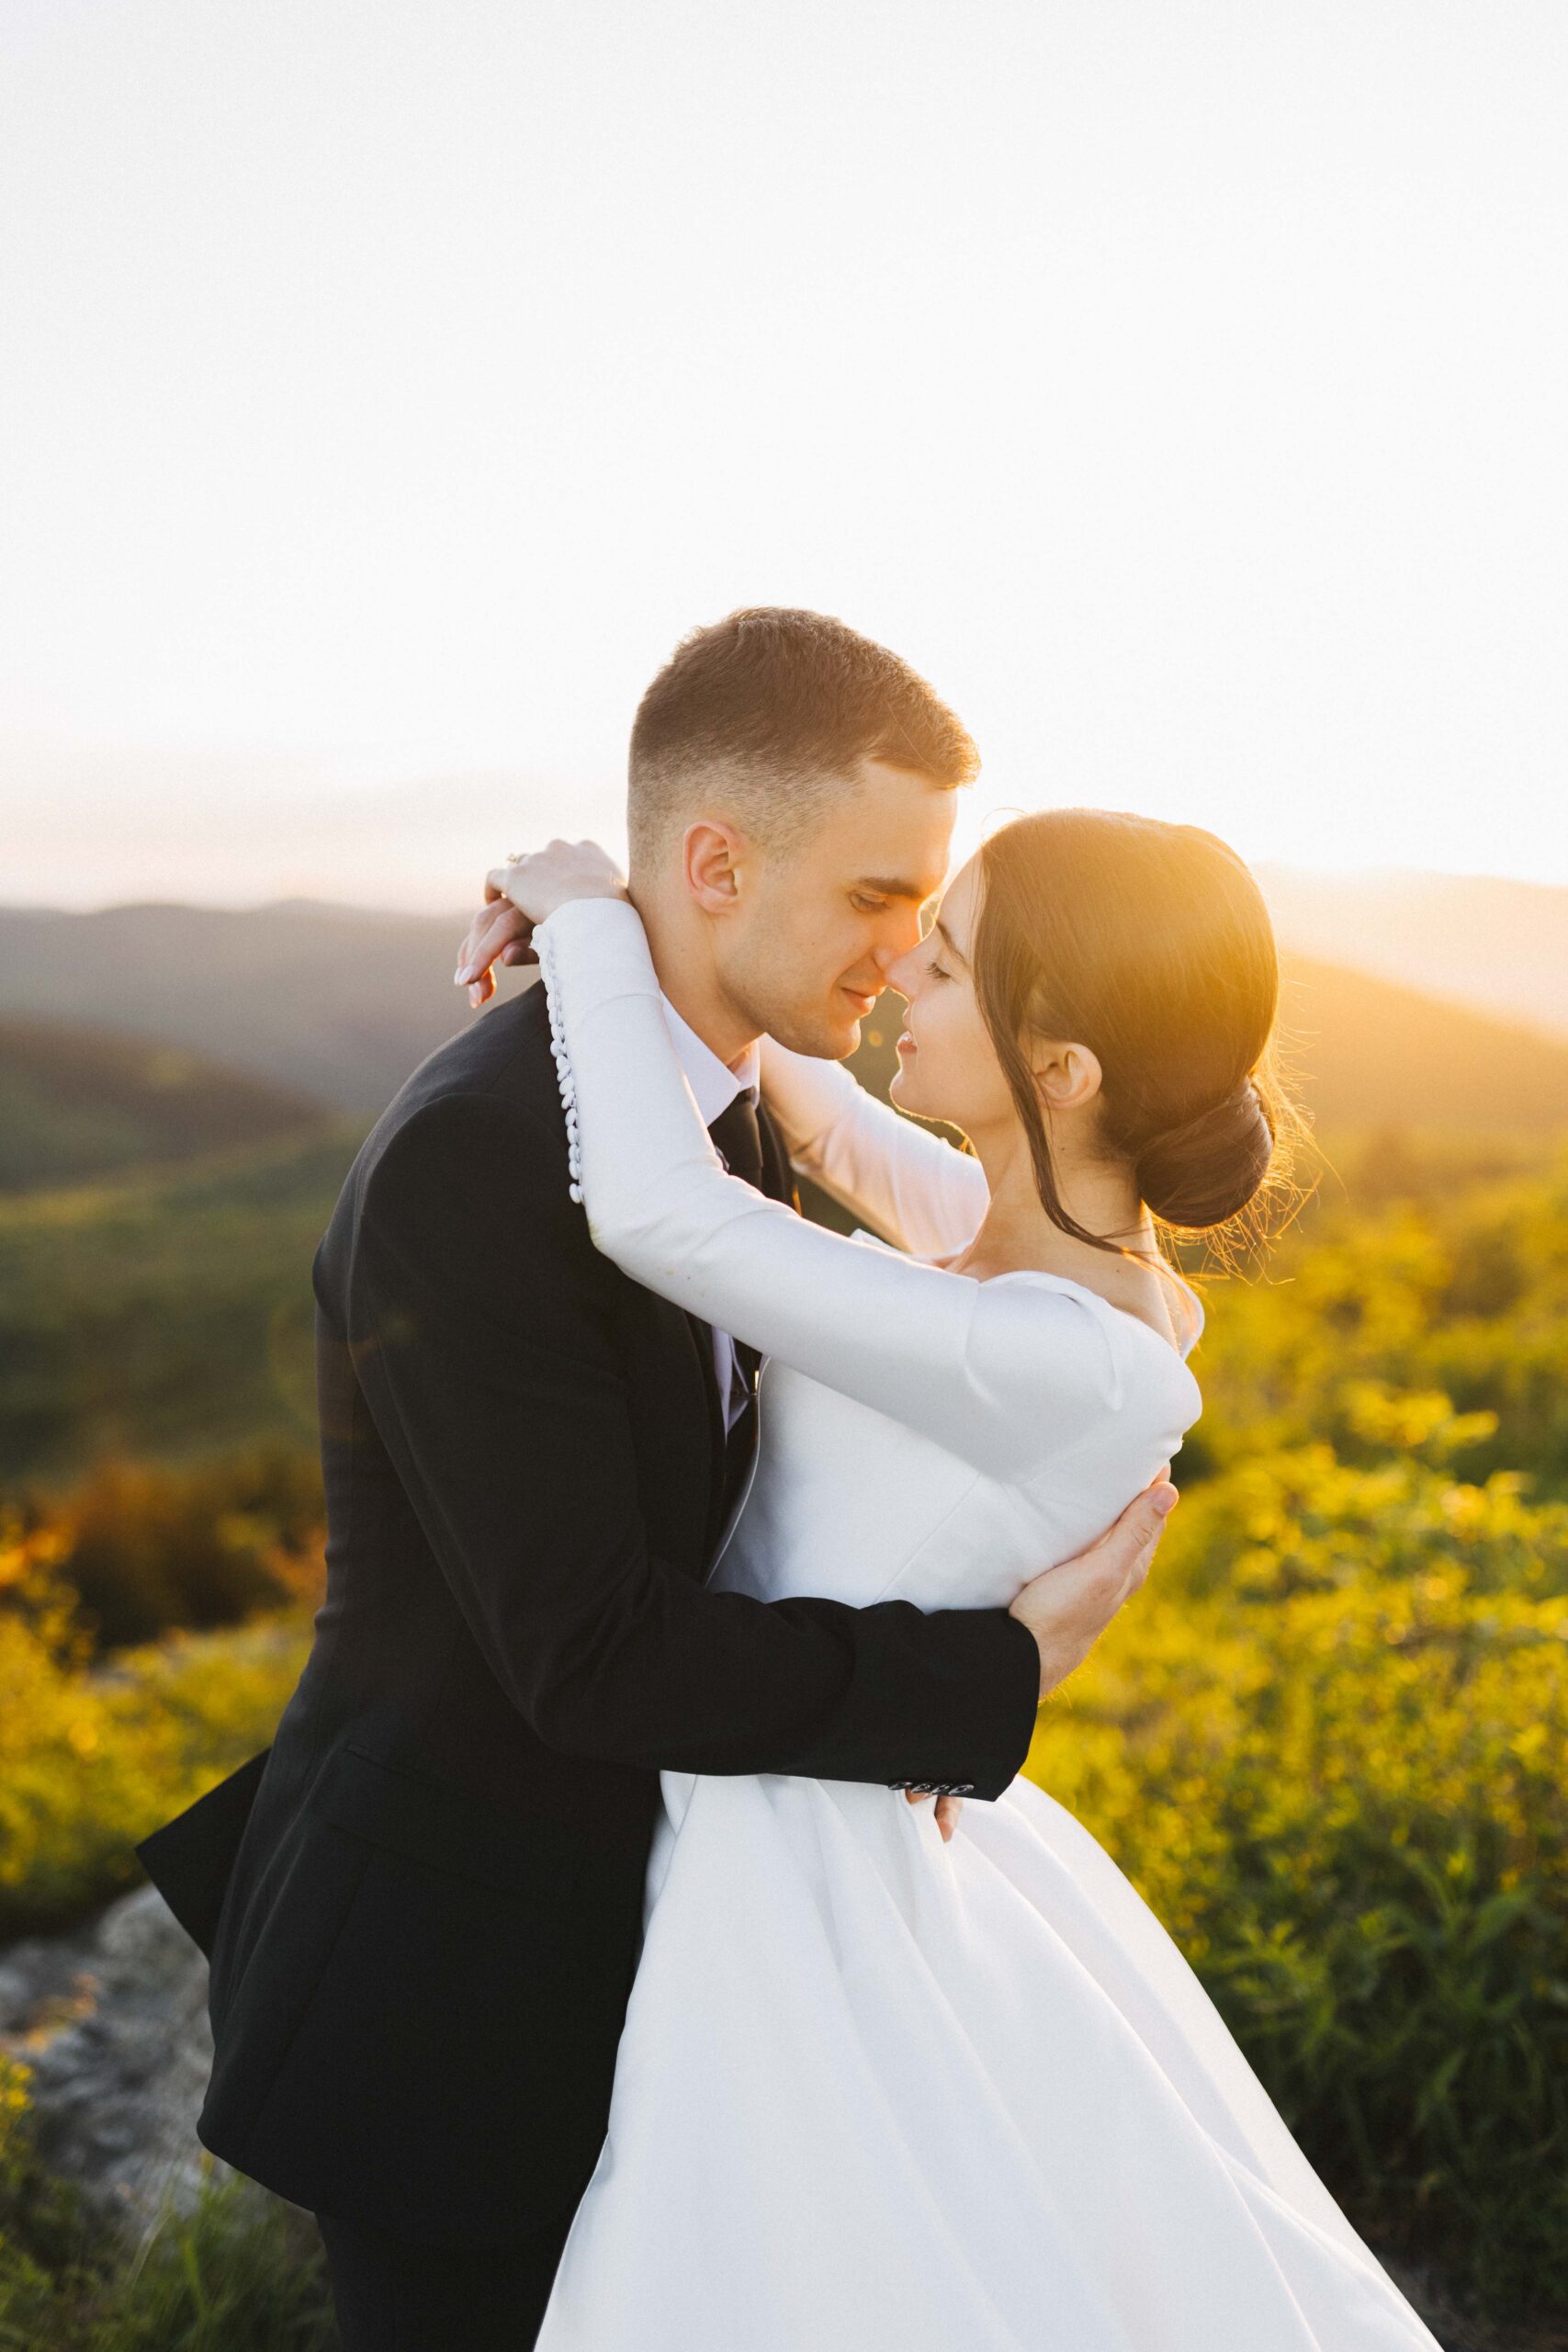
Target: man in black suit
(422, 1904)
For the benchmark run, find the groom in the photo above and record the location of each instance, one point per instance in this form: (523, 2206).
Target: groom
(423, 1903)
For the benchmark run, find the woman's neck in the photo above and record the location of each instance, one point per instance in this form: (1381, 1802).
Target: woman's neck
(1017, 1236)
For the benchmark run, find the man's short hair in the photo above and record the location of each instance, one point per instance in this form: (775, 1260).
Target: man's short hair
(768, 714)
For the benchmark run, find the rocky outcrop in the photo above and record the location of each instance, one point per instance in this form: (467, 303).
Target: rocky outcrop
(112, 2021)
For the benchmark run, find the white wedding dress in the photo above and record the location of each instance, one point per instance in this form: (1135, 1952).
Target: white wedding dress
(876, 2093)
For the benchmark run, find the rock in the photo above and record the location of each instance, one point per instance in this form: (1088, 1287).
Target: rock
(113, 2022)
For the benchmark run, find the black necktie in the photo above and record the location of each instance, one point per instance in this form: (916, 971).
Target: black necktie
(738, 1141)
(738, 1138)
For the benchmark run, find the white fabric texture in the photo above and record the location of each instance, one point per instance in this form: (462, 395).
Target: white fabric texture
(715, 1086)
(877, 2094)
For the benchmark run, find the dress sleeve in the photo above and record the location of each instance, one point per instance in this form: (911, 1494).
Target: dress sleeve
(902, 1179)
(1004, 1373)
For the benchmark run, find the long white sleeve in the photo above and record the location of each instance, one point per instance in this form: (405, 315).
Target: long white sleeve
(1005, 1373)
(913, 1187)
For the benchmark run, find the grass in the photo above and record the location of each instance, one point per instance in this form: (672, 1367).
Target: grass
(240, 2272)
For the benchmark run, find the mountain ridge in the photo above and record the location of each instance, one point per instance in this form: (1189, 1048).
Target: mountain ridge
(1489, 942)
(80, 1104)
(340, 1006)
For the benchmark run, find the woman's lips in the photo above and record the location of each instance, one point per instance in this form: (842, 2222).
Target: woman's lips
(906, 1044)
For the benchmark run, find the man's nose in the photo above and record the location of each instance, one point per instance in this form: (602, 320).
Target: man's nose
(899, 973)
(898, 943)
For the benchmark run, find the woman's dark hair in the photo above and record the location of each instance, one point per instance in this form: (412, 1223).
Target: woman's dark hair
(1149, 944)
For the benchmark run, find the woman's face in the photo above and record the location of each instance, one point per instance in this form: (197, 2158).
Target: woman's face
(947, 1064)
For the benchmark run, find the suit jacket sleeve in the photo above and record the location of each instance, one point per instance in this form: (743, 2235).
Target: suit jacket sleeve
(485, 1354)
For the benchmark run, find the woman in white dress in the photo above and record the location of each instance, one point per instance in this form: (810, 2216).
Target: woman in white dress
(877, 2091)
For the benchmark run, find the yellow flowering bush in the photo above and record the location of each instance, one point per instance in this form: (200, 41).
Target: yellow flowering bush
(93, 1758)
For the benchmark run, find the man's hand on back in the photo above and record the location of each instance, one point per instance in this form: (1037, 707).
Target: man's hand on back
(1066, 1608)
(1069, 1608)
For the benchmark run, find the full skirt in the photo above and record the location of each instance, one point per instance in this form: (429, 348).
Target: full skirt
(880, 2094)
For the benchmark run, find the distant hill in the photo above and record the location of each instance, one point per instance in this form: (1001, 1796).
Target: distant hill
(167, 1315)
(76, 1104)
(1370, 1054)
(341, 1005)
(1500, 946)
(327, 1000)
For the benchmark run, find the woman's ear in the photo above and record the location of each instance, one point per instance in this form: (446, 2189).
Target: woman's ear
(1069, 1076)
(712, 857)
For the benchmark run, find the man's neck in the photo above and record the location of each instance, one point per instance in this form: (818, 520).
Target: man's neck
(694, 990)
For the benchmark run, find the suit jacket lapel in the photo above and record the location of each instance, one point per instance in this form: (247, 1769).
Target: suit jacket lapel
(728, 1471)
(702, 1340)
(778, 1176)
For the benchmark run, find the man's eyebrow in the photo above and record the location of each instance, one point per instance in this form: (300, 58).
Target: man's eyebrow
(953, 948)
(894, 886)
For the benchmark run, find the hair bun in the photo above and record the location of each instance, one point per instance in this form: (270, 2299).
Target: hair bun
(1205, 1171)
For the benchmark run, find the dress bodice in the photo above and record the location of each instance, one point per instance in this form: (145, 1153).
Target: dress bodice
(848, 1503)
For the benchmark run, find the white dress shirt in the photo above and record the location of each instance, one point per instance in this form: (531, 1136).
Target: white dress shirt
(715, 1086)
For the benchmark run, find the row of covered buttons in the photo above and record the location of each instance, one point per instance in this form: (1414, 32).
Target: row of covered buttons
(936, 1788)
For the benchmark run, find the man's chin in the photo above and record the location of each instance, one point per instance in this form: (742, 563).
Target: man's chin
(825, 1041)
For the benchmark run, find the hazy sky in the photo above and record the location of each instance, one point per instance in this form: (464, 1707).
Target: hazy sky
(387, 384)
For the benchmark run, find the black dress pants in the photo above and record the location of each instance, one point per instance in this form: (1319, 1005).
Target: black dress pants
(393, 2295)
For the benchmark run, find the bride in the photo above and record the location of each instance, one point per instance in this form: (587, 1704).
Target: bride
(878, 2091)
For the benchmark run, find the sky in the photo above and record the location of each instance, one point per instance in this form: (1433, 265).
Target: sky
(386, 385)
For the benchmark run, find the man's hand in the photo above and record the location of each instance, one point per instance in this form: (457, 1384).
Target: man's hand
(1069, 1608)
(522, 893)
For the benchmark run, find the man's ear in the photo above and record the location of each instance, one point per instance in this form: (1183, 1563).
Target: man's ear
(714, 856)
(1069, 1076)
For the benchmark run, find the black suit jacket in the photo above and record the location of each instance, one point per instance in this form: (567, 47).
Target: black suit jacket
(422, 1904)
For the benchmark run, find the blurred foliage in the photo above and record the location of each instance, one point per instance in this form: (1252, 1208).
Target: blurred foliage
(93, 1756)
(242, 2272)
(143, 1546)
(1464, 1296)
(165, 1316)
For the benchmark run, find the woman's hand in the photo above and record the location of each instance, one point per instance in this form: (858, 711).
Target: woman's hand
(538, 883)
(522, 893)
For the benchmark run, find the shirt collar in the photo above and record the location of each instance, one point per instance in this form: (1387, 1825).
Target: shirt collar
(713, 1083)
